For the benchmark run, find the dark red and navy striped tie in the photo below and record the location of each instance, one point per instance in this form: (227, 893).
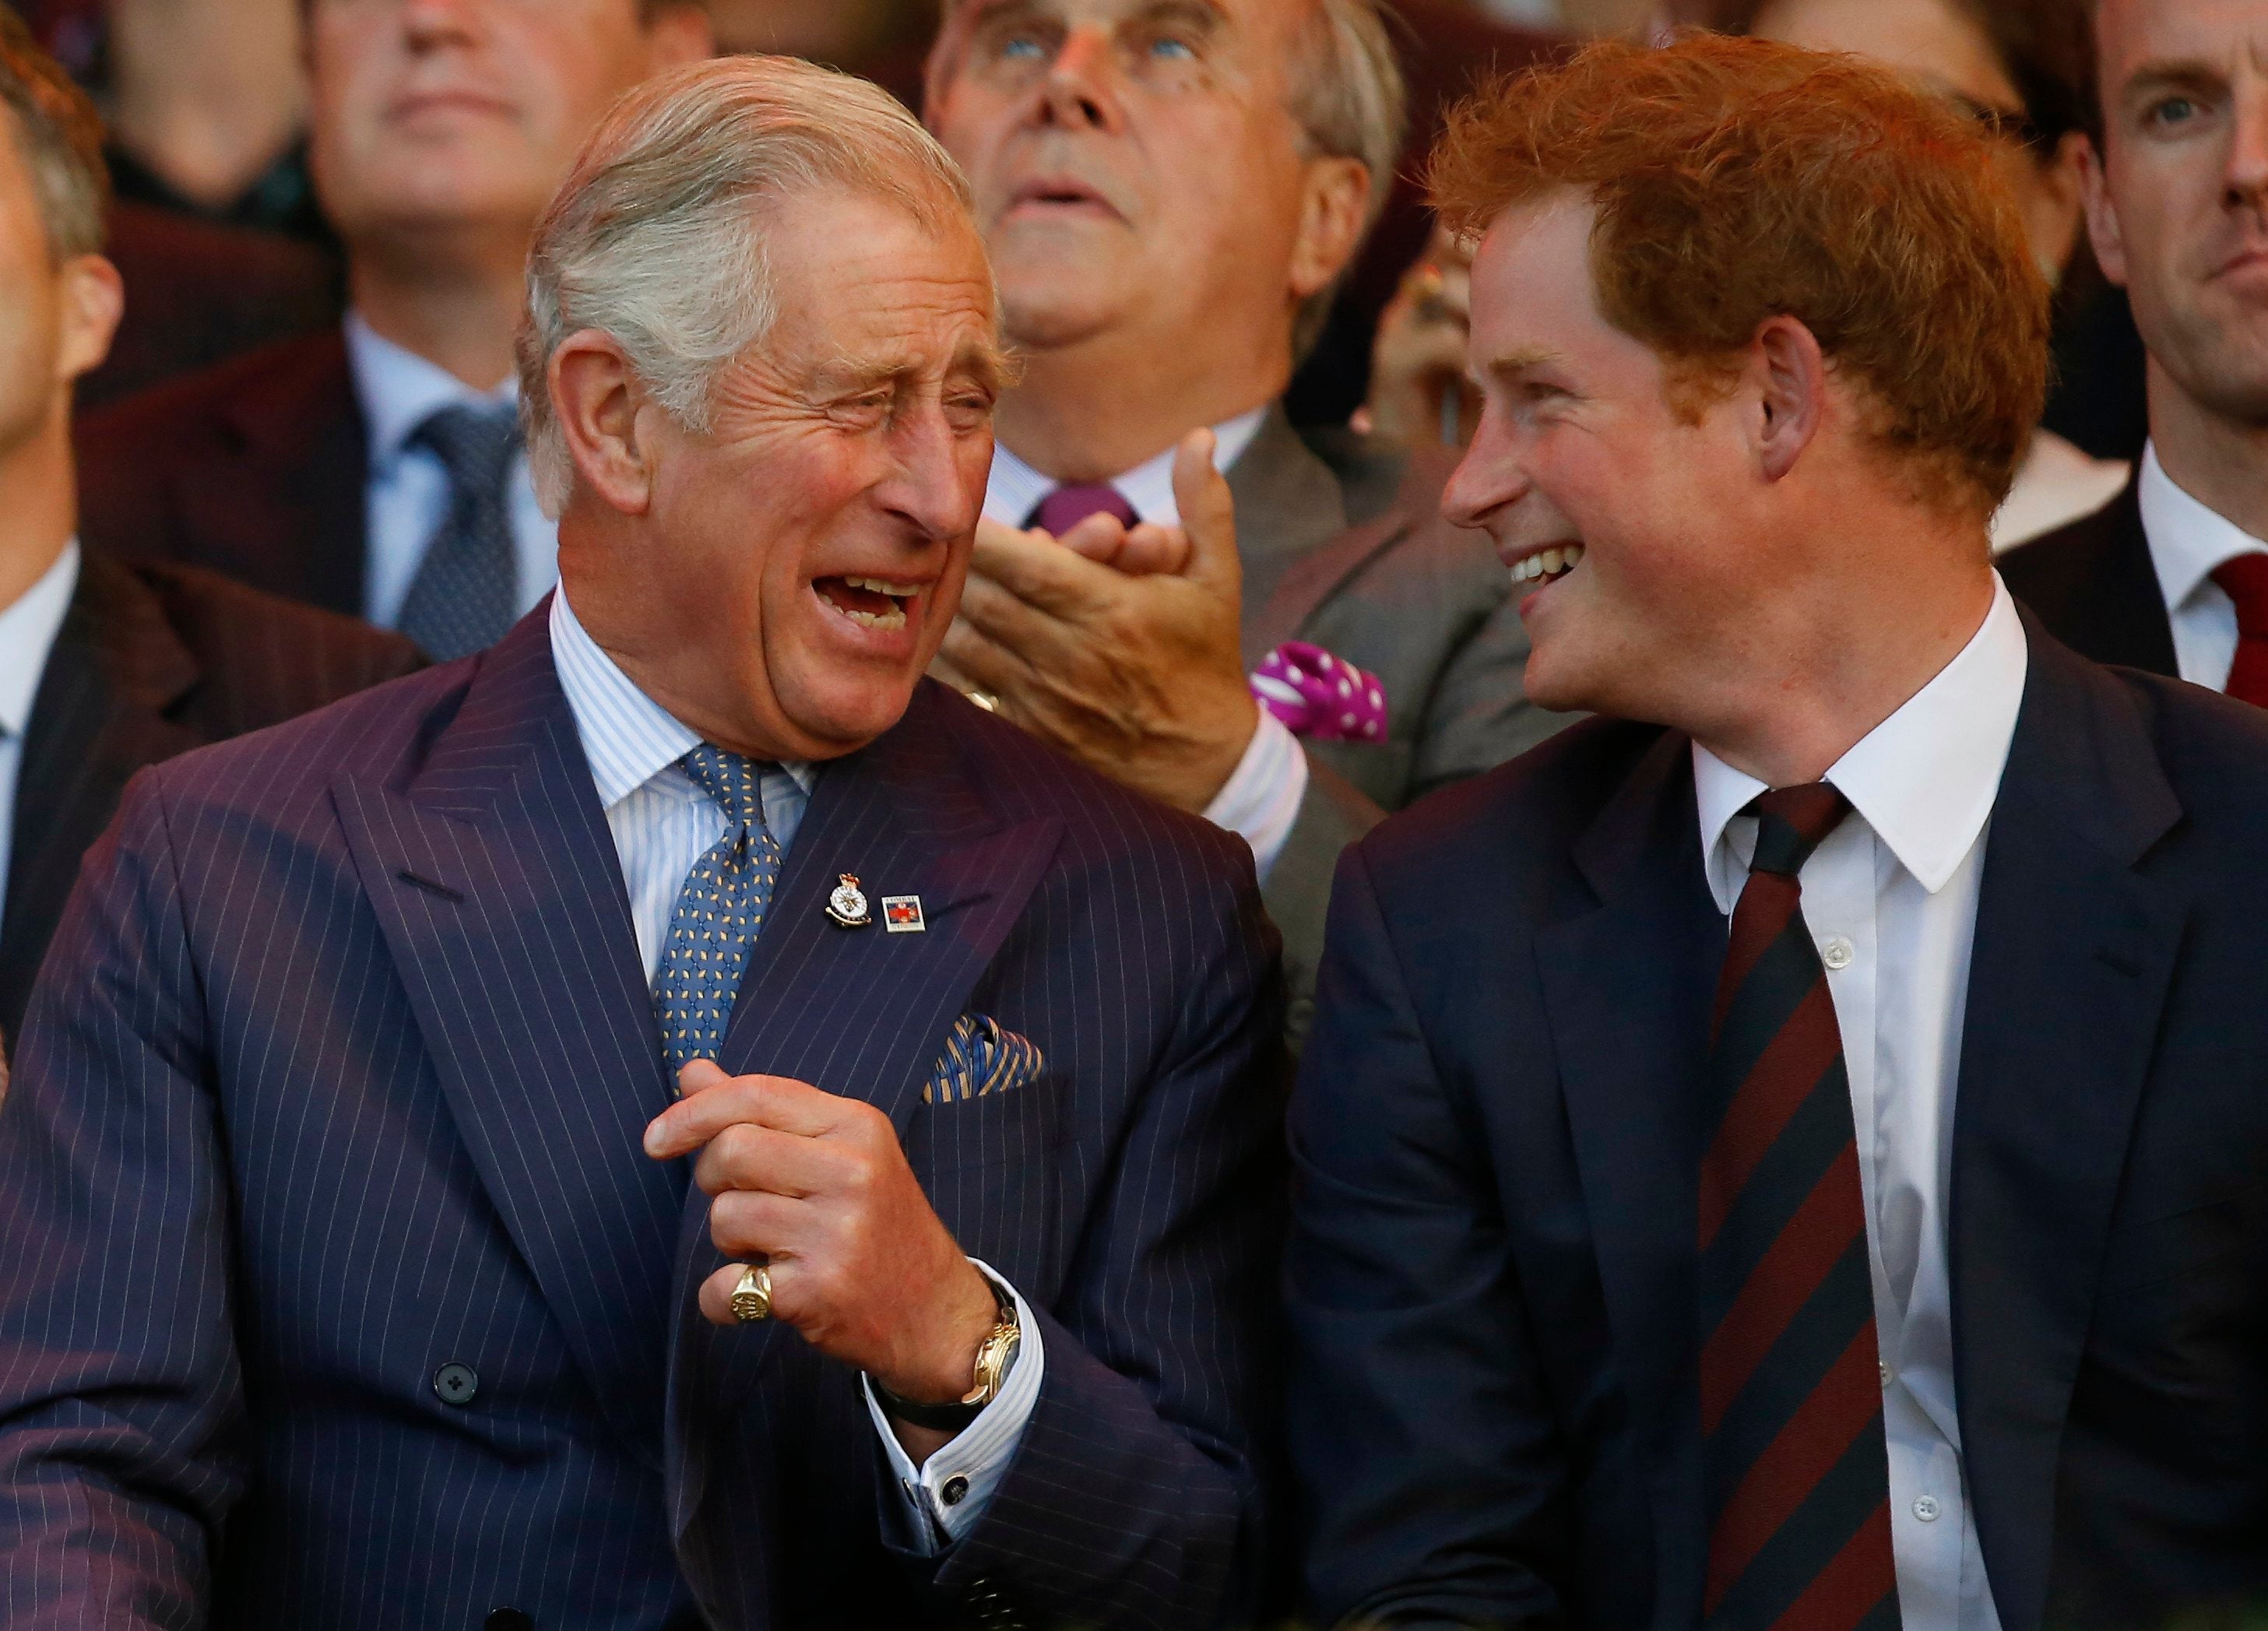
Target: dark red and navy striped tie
(1791, 1392)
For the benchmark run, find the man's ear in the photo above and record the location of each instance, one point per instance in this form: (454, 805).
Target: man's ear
(2103, 228)
(681, 33)
(1334, 205)
(93, 300)
(596, 396)
(1787, 380)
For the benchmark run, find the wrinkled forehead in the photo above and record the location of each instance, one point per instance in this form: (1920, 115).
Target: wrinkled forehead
(2220, 39)
(1262, 25)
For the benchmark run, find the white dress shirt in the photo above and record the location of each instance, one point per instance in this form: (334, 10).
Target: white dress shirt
(1890, 899)
(662, 823)
(1262, 798)
(2188, 542)
(408, 497)
(27, 635)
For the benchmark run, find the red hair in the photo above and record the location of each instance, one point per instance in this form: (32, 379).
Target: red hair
(1736, 181)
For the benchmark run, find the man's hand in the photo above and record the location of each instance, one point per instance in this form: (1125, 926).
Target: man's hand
(1120, 648)
(817, 1187)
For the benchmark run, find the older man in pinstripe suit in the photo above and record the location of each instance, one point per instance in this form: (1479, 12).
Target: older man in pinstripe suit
(676, 1120)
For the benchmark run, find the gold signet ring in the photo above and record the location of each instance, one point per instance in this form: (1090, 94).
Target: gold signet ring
(752, 1295)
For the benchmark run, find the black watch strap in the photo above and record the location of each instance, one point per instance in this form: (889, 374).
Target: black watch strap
(955, 1417)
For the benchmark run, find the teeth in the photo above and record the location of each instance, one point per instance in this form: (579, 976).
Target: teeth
(891, 619)
(896, 591)
(1547, 563)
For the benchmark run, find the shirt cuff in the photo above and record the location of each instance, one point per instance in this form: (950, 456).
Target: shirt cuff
(948, 1494)
(1262, 800)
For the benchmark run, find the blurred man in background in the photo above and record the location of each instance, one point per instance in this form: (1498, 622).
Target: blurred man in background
(2173, 575)
(375, 469)
(103, 668)
(1170, 194)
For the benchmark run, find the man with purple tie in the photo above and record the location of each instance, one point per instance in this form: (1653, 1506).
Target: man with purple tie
(1171, 192)
(1785, 1154)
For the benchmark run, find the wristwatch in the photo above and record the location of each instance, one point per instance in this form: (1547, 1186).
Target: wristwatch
(995, 1356)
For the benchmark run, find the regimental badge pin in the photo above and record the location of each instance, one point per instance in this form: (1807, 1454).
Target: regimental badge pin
(847, 905)
(902, 914)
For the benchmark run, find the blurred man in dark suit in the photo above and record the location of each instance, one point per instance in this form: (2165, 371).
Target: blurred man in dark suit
(1171, 194)
(1786, 1154)
(103, 668)
(374, 469)
(390, 1060)
(2172, 576)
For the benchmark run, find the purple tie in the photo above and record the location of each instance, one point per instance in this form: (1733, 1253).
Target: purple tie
(1318, 695)
(1067, 506)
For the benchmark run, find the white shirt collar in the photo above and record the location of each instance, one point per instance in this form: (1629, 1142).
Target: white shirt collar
(628, 737)
(27, 634)
(2188, 542)
(1924, 779)
(1014, 489)
(399, 390)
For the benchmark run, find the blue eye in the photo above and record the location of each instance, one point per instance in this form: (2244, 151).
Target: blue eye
(1022, 48)
(1173, 50)
(2173, 111)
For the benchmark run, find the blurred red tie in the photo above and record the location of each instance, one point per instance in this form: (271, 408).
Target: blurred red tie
(2246, 581)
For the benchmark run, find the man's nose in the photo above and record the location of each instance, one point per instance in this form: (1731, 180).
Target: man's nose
(929, 489)
(430, 24)
(1080, 92)
(2246, 179)
(1488, 479)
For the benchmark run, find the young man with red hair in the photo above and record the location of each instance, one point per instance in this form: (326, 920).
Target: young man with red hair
(1785, 1153)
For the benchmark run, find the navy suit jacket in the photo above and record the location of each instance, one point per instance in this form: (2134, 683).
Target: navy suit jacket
(1494, 1411)
(337, 1077)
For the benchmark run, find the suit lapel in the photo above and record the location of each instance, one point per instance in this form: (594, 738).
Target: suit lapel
(2072, 959)
(98, 717)
(857, 1012)
(289, 514)
(1288, 505)
(497, 882)
(1627, 985)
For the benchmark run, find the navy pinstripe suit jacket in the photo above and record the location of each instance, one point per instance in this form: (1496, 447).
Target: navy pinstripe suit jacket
(336, 1076)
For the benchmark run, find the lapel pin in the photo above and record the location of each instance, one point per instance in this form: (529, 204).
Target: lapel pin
(902, 914)
(847, 905)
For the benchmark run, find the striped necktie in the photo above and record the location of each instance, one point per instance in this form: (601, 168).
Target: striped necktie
(467, 589)
(1798, 1470)
(720, 911)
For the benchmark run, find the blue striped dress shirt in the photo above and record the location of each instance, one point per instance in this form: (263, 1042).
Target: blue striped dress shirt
(661, 824)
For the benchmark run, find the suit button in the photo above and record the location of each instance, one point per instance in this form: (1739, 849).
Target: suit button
(455, 1385)
(956, 1490)
(507, 1619)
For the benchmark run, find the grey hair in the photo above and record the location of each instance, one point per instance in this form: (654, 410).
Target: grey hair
(656, 239)
(1350, 101)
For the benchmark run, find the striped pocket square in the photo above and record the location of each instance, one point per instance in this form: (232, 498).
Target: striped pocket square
(981, 1059)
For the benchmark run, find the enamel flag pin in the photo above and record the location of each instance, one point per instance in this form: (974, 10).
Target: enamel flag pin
(847, 905)
(902, 914)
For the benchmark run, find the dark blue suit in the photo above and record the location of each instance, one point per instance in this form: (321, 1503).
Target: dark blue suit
(338, 1077)
(1494, 1406)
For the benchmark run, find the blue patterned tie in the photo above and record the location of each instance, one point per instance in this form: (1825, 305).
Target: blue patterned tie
(467, 586)
(719, 911)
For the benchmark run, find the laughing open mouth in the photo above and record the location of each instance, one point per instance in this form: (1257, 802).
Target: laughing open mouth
(869, 602)
(1546, 566)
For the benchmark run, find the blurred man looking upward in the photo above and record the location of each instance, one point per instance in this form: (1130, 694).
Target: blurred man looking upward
(103, 668)
(1799, 1136)
(377, 470)
(2172, 576)
(1170, 190)
(576, 1088)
